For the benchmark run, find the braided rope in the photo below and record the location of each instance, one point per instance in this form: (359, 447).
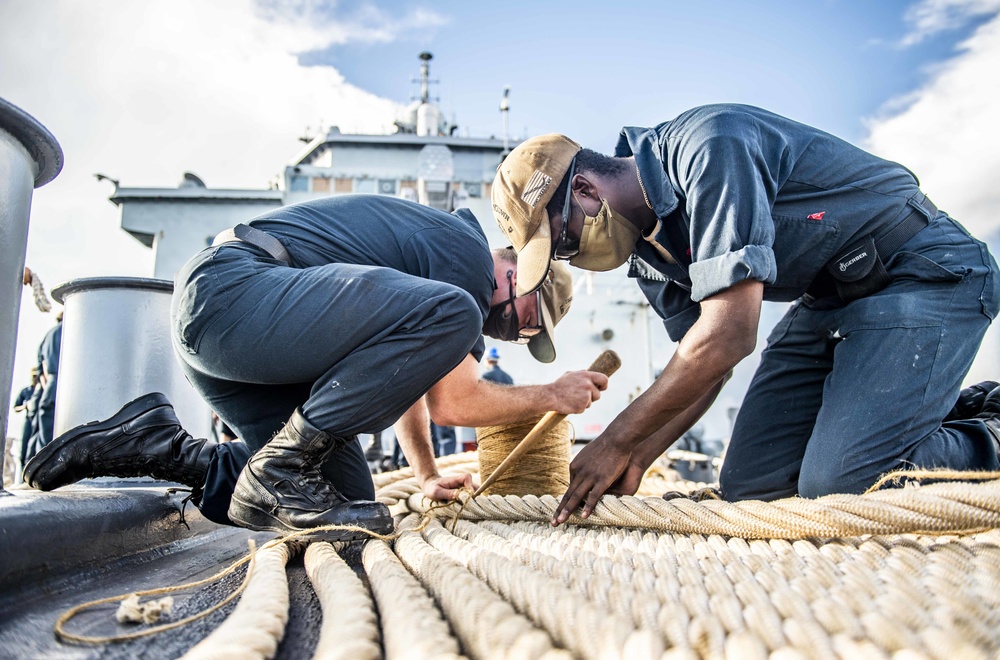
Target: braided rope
(465, 462)
(257, 623)
(712, 596)
(661, 477)
(578, 622)
(38, 291)
(749, 579)
(350, 628)
(412, 626)
(495, 629)
(931, 509)
(619, 586)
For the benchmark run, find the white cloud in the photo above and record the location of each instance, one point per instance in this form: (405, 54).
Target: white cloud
(946, 132)
(328, 22)
(143, 91)
(929, 17)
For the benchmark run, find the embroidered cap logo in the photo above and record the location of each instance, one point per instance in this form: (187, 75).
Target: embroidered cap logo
(535, 188)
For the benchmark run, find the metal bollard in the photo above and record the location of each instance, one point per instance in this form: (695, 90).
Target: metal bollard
(116, 347)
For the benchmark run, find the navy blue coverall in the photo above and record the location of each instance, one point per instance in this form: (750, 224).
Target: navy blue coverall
(48, 364)
(27, 397)
(845, 391)
(381, 299)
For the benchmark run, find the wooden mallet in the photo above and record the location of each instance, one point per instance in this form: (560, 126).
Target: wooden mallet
(607, 363)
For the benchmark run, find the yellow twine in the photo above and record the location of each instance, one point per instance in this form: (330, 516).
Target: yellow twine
(542, 470)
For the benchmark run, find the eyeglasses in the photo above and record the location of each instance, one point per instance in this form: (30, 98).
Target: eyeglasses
(566, 247)
(503, 323)
(525, 334)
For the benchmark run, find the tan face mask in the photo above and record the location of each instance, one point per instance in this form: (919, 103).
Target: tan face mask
(606, 241)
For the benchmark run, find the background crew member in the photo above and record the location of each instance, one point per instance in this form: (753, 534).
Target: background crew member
(495, 373)
(48, 369)
(26, 402)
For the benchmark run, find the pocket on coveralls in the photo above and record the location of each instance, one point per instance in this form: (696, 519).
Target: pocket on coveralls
(913, 266)
(990, 297)
(187, 329)
(921, 293)
(199, 297)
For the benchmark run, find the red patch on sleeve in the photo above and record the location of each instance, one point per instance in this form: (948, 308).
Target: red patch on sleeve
(816, 216)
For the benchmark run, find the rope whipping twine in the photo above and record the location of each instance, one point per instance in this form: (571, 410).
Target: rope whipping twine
(542, 469)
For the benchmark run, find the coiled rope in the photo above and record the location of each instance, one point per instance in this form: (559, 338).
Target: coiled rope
(941, 508)
(904, 573)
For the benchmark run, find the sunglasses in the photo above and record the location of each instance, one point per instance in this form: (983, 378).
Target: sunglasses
(528, 332)
(566, 247)
(503, 323)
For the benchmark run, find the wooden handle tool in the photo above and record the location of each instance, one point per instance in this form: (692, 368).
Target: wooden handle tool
(607, 363)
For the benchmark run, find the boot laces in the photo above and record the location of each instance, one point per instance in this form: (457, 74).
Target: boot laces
(312, 477)
(319, 485)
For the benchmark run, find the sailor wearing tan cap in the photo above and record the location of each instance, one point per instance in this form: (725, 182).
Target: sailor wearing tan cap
(314, 323)
(729, 205)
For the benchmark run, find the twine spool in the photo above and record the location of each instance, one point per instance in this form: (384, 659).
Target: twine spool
(542, 470)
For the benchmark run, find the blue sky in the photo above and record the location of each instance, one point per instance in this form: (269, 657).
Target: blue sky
(585, 69)
(144, 91)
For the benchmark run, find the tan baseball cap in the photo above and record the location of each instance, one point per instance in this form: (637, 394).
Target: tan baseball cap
(525, 182)
(556, 297)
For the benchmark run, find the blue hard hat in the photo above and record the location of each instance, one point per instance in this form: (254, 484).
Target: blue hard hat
(493, 354)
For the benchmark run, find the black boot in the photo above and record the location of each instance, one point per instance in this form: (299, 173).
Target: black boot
(970, 401)
(143, 439)
(282, 489)
(990, 416)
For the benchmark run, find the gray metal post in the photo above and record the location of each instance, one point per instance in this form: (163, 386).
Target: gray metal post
(116, 347)
(29, 157)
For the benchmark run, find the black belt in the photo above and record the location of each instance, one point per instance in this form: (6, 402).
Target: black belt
(835, 277)
(891, 241)
(247, 234)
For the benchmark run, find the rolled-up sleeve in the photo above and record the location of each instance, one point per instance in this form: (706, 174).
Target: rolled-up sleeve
(729, 193)
(753, 262)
